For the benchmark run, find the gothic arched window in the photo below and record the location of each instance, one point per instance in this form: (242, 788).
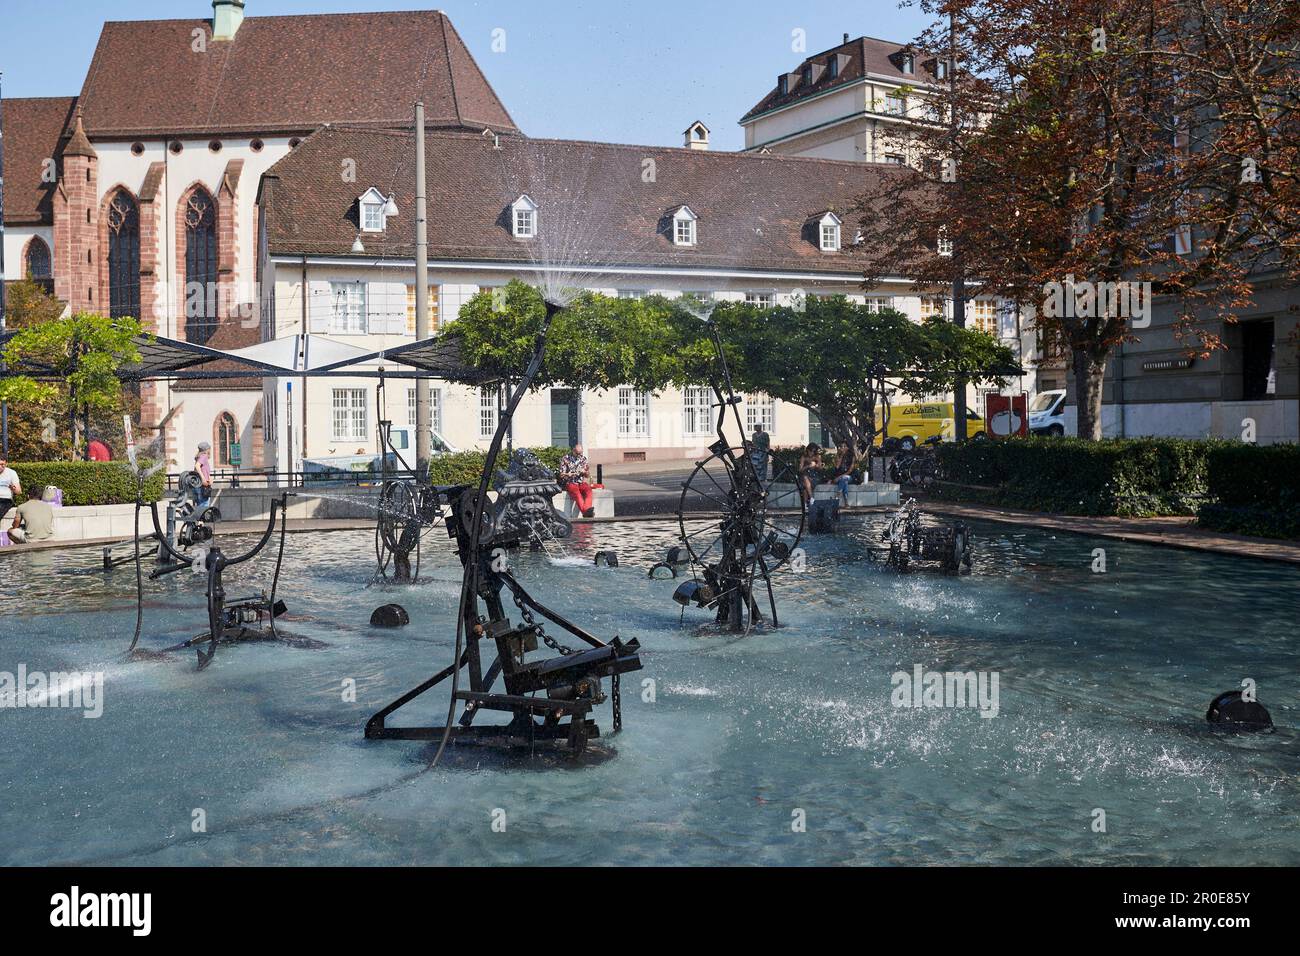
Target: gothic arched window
(200, 267)
(227, 436)
(36, 265)
(123, 219)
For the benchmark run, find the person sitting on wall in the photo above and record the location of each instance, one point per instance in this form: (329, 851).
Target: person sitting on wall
(33, 521)
(575, 478)
(810, 470)
(9, 486)
(844, 469)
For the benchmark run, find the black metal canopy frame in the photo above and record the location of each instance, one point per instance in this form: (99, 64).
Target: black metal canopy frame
(570, 680)
(172, 359)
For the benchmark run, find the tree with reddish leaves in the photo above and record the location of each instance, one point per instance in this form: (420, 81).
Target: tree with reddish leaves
(1090, 156)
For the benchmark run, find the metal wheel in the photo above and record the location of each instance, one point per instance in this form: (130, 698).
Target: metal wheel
(762, 523)
(751, 509)
(397, 532)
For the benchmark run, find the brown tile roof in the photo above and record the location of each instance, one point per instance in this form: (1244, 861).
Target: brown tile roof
(234, 332)
(862, 56)
(596, 207)
(31, 129)
(285, 74)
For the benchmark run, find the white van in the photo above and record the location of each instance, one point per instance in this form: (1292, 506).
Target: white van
(402, 437)
(1047, 413)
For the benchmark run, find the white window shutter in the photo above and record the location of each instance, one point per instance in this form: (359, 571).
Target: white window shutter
(387, 301)
(320, 306)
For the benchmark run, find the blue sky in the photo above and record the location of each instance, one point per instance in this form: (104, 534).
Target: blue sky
(624, 71)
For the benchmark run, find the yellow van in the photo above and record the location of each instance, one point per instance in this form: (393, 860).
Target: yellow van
(913, 424)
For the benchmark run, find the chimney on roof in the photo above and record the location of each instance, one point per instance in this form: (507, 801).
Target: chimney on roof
(846, 39)
(227, 15)
(697, 136)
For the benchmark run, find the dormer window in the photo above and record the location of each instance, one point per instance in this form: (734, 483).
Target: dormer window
(944, 245)
(807, 75)
(833, 67)
(374, 210)
(907, 64)
(941, 70)
(782, 85)
(523, 217)
(684, 226)
(828, 232)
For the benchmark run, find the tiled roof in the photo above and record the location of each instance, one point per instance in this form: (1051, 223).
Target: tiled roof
(285, 74)
(600, 204)
(233, 332)
(858, 58)
(31, 129)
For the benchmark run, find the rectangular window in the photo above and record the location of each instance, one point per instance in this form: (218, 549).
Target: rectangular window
(631, 293)
(697, 410)
(894, 159)
(372, 216)
(525, 224)
(764, 300)
(879, 303)
(759, 410)
(984, 315)
(684, 232)
(435, 408)
(432, 309)
(487, 411)
(633, 412)
(349, 414)
(934, 305)
(908, 64)
(944, 246)
(830, 237)
(348, 308)
(896, 104)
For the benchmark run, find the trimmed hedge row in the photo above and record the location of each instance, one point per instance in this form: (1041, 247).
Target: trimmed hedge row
(88, 482)
(1253, 490)
(466, 467)
(1230, 486)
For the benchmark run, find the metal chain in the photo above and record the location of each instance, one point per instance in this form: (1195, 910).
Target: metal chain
(617, 700)
(550, 642)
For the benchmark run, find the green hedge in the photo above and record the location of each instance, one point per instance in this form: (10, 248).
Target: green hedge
(87, 482)
(466, 467)
(1230, 486)
(1253, 490)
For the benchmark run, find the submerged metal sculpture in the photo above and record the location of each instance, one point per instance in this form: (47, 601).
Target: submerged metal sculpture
(408, 506)
(913, 545)
(230, 620)
(548, 699)
(753, 538)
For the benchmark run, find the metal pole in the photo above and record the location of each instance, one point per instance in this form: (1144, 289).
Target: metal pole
(959, 278)
(423, 406)
(4, 406)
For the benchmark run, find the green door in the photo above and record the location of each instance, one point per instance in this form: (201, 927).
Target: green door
(564, 417)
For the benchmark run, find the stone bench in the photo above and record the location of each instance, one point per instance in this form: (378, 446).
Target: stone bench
(866, 495)
(602, 500)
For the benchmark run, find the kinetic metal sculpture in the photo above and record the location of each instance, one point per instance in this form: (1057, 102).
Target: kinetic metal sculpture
(541, 694)
(912, 545)
(408, 506)
(230, 620)
(753, 539)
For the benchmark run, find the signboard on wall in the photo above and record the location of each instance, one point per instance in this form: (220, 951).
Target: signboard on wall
(1006, 415)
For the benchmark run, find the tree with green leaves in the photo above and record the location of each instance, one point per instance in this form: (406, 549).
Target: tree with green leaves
(835, 357)
(69, 366)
